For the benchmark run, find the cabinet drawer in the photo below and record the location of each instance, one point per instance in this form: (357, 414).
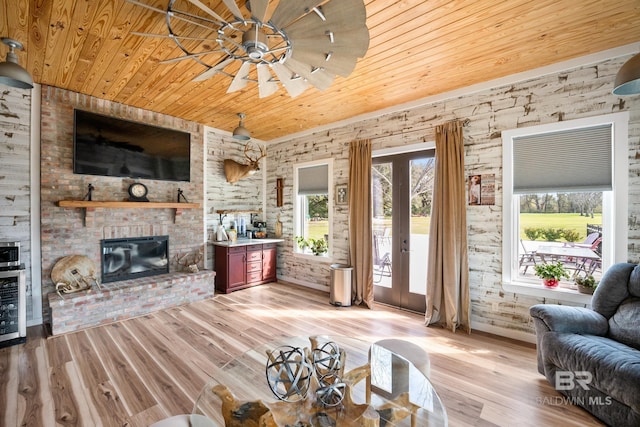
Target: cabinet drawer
(254, 276)
(254, 256)
(236, 249)
(254, 247)
(254, 266)
(269, 245)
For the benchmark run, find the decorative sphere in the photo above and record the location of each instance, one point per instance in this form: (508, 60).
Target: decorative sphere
(289, 373)
(326, 359)
(331, 391)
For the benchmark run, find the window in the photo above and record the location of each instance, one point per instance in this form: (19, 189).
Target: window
(564, 189)
(313, 207)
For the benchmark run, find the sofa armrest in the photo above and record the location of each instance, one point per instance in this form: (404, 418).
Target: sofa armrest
(562, 318)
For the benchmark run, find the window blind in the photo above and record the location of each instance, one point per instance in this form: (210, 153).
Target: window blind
(313, 180)
(565, 161)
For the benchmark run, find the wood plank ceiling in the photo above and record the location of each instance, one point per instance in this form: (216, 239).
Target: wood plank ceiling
(418, 48)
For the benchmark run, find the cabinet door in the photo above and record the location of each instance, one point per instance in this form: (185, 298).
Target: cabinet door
(269, 256)
(237, 269)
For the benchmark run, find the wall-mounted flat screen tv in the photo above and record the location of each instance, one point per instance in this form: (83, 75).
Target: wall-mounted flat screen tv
(109, 146)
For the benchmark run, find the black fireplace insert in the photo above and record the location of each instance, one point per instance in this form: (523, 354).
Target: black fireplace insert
(130, 258)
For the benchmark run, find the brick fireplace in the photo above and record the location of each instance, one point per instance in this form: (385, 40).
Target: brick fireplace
(66, 231)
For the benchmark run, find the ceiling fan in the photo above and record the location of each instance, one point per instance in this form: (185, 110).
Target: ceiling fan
(294, 42)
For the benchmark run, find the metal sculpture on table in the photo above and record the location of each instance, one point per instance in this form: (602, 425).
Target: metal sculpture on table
(312, 389)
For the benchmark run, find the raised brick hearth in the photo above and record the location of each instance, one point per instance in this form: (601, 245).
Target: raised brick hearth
(127, 298)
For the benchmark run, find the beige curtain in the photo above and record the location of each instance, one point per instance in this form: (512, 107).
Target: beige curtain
(447, 297)
(360, 231)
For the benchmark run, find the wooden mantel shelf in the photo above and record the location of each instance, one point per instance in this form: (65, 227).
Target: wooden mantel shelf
(126, 205)
(89, 207)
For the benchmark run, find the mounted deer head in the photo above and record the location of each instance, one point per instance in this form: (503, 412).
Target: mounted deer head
(235, 171)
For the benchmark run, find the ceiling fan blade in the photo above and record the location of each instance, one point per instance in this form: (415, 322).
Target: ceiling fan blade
(139, 3)
(188, 56)
(315, 76)
(295, 86)
(213, 70)
(167, 36)
(340, 16)
(354, 42)
(290, 10)
(207, 9)
(259, 9)
(233, 7)
(266, 85)
(240, 80)
(175, 15)
(341, 65)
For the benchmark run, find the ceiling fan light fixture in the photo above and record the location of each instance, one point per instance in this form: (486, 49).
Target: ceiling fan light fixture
(241, 132)
(11, 73)
(628, 78)
(255, 44)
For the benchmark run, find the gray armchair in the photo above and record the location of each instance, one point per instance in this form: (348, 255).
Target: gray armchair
(592, 356)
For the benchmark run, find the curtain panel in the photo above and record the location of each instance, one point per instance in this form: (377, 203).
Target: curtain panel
(448, 302)
(360, 228)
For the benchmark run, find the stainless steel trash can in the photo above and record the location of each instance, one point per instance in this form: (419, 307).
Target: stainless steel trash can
(340, 291)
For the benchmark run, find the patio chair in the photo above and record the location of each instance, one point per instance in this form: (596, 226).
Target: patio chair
(527, 258)
(382, 262)
(590, 265)
(592, 241)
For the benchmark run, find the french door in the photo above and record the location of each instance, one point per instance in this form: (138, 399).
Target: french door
(402, 193)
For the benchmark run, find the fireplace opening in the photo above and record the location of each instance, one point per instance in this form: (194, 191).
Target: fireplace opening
(130, 258)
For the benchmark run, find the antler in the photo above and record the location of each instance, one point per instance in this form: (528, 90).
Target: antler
(263, 153)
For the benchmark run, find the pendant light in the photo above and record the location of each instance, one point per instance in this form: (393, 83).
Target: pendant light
(11, 73)
(241, 132)
(628, 78)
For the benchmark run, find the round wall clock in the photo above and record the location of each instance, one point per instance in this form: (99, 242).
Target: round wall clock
(138, 192)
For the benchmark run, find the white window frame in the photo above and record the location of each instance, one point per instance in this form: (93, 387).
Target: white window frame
(298, 221)
(614, 249)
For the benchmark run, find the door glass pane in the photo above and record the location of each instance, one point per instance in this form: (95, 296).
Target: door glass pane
(382, 223)
(421, 187)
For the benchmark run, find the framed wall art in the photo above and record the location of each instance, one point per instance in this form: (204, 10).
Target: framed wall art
(342, 195)
(482, 189)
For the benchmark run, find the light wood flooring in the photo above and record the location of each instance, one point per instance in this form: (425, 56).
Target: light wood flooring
(138, 371)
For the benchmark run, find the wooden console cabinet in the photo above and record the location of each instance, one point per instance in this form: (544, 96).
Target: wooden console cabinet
(239, 267)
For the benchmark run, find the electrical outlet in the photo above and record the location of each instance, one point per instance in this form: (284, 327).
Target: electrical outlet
(495, 306)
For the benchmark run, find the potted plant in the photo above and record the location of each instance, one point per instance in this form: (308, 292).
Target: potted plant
(551, 273)
(586, 284)
(317, 246)
(302, 243)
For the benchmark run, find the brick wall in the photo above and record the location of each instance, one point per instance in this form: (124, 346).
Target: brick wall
(63, 232)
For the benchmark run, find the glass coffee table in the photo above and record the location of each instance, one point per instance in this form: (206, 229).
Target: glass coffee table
(320, 381)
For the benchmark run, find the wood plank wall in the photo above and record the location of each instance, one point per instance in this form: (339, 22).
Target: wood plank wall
(572, 94)
(15, 178)
(575, 93)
